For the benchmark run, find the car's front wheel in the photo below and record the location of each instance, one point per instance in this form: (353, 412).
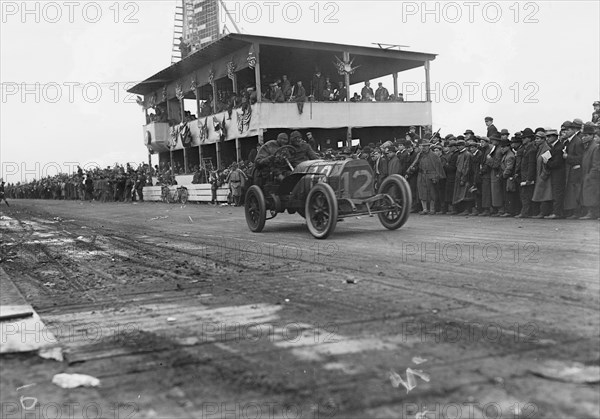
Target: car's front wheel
(321, 211)
(397, 188)
(256, 209)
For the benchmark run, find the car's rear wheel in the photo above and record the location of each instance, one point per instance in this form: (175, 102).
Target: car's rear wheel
(321, 211)
(256, 209)
(399, 190)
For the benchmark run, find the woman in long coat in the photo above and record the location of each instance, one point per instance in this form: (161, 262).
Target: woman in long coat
(542, 193)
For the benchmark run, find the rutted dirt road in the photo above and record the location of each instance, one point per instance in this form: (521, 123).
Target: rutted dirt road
(181, 312)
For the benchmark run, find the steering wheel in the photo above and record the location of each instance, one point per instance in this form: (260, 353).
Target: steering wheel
(286, 151)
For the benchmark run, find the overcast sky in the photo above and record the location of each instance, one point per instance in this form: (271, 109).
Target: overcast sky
(527, 64)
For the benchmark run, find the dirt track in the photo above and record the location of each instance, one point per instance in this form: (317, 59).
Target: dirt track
(182, 312)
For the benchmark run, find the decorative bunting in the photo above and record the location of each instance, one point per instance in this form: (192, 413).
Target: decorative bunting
(193, 86)
(251, 59)
(244, 118)
(164, 94)
(203, 129)
(344, 68)
(153, 100)
(231, 70)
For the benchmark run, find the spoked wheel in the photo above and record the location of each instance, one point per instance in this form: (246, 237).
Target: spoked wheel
(256, 209)
(321, 211)
(398, 189)
(184, 195)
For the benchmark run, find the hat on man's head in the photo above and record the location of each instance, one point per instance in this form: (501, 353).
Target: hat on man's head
(472, 143)
(452, 143)
(449, 137)
(577, 123)
(482, 138)
(469, 132)
(282, 136)
(504, 131)
(488, 118)
(295, 134)
(540, 134)
(566, 124)
(527, 132)
(596, 103)
(460, 142)
(540, 129)
(460, 138)
(516, 139)
(392, 149)
(550, 131)
(367, 150)
(589, 128)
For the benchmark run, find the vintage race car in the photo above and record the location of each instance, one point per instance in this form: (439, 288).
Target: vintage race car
(324, 192)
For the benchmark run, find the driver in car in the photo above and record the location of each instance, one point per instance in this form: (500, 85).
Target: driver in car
(266, 160)
(303, 151)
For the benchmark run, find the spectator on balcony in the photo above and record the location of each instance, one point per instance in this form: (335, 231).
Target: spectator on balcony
(286, 88)
(277, 95)
(327, 94)
(340, 93)
(400, 97)
(381, 94)
(299, 96)
(317, 86)
(367, 92)
(355, 98)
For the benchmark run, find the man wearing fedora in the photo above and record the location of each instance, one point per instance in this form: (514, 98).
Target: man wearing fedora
(450, 170)
(556, 165)
(590, 166)
(477, 158)
(525, 172)
(513, 189)
(573, 155)
(542, 193)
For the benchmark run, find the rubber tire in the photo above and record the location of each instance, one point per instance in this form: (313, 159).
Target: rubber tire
(404, 188)
(255, 194)
(331, 200)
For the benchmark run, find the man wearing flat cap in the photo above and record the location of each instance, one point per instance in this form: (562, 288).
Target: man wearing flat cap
(394, 167)
(525, 172)
(430, 171)
(590, 166)
(573, 155)
(556, 164)
(491, 128)
(469, 135)
(463, 196)
(477, 158)
(497, 184)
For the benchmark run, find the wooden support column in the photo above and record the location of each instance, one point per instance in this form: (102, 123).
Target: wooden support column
(261, 138)
(347, 76)
(197, 94)
(427, 82)
(238, 150)
(214, 92)
(349, 137)
(218, 148)
(257, 73)
(395, 75)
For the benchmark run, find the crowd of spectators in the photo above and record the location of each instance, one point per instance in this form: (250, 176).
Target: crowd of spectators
(542, 173)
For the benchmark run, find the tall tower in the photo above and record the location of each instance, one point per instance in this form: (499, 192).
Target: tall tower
(197, 21)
